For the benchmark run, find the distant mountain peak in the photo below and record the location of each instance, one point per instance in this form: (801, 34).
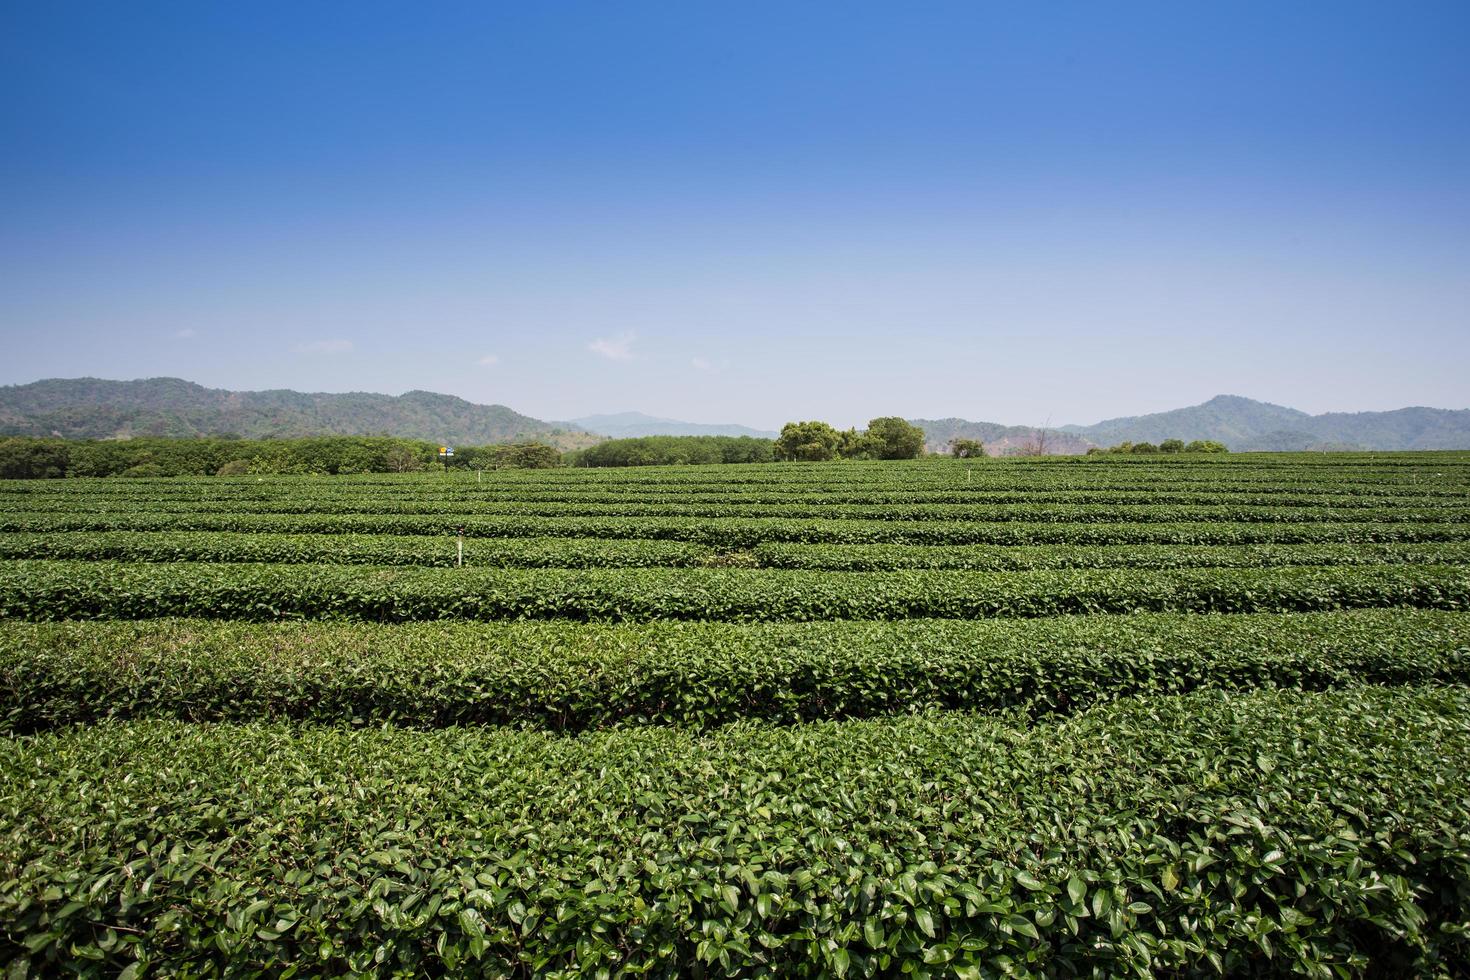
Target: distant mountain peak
(1247, 424)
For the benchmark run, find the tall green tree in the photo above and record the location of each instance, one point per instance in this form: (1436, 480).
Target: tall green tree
(890, 437)
(808, 441)
(1206, 446)
(966, 448)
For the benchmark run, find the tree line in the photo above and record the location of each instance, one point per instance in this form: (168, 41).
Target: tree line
(34, 458)
(889, 437)
(884, 438)
(674, 451)
(1167, 446)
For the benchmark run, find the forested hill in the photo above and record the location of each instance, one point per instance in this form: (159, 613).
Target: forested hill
(1244, 424)
(91, 408)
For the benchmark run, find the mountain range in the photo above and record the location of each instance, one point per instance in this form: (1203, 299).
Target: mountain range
(91, 408)
(1246, 425)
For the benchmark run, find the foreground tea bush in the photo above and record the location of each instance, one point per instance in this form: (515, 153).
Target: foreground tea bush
(571, 676)
(1269, 833)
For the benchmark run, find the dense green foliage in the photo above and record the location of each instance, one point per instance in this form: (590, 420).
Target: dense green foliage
(22, 458)
(674, 451)
(1167, 446)
(1153, 836)
(888, 437)
(1159, 714)
(966, 448)
(587, 676)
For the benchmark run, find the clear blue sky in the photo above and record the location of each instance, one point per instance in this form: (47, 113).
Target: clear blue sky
(745, 211)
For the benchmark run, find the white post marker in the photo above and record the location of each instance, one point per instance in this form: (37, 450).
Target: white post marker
(459, 549)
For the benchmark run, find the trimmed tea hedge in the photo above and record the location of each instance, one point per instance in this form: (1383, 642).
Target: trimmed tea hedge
(107, 590)
(1138, 512)
(1015, 558)
(585, 676)
(426, 550)
(364, 549)
(1322, 834)
(747, 532)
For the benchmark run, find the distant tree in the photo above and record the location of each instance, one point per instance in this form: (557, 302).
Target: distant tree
(402, 459)
(535, 456)
(235, 467)
(1206, 446)
(852, 444)
(891, 437)
(144, 469)
(1144, 447)
(1171, 446)
(809, 441)
(674, 451)
(966, 448)
(33, 459)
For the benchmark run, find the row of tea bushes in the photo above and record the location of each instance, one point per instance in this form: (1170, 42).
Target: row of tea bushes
(1018, 558)
(108, 590)
(379, 549)
(575, 676)
(309, 497)
(1272, 833)
(747, 532)
(355, 549)
(1138, 513)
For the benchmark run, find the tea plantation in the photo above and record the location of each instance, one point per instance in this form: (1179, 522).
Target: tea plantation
(1090, 716)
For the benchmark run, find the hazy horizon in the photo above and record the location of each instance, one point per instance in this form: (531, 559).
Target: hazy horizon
(1025, 215)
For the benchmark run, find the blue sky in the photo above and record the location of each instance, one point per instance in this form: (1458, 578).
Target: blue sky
(745, 212)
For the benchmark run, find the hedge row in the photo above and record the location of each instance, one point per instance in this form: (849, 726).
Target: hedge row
(104, 590)
(377, 549)
(353, 549)
(747, 532)
(566, 676)
(892, 557)
(986, 513)
(1272, 833)
(275, 496)
(1409, 469)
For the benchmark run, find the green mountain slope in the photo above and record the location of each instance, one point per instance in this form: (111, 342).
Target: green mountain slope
(1244, 424)
(92, 408)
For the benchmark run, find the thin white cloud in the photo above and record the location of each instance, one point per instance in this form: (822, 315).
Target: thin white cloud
(188, 333)
(489, 360)
(700, 364)
(325, 347)
(619, 348)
